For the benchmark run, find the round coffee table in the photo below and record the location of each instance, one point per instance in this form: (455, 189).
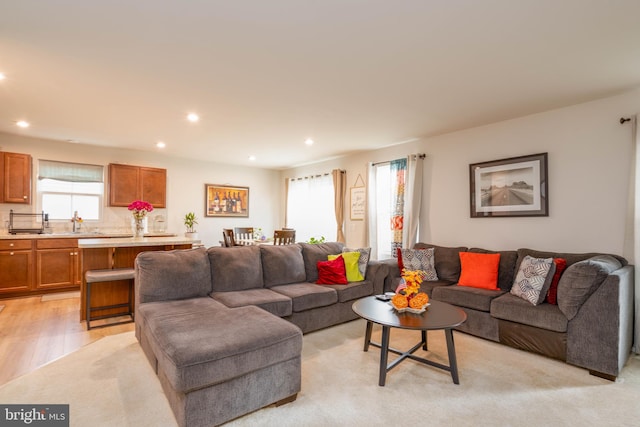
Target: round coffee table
(439, 315)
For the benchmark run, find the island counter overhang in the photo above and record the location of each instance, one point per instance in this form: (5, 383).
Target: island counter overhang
(109, 253)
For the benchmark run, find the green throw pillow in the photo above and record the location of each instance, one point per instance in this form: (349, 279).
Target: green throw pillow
(350, 265)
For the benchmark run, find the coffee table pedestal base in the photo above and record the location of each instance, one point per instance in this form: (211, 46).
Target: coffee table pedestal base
(385, 349)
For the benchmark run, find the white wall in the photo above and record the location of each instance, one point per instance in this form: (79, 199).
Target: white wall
(186, 181)
(589, 166)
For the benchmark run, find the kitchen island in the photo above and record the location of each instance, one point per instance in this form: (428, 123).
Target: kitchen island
(109, 253)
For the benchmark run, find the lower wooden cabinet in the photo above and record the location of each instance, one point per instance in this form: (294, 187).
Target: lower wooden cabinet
(16, 269)
(32, 266)
(57, 264)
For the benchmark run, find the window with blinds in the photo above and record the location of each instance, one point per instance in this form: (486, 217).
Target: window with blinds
(64, 188)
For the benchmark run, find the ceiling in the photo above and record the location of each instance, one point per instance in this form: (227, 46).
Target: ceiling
(264, 76)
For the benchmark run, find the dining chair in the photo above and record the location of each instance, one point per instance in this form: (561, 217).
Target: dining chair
(243, 233)
(228, 238)
(284, 237)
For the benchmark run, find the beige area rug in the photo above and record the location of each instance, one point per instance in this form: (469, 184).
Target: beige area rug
(110, 383)
(59, 295)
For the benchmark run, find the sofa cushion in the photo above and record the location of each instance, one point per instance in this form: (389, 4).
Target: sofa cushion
(332, 272)
(479, 270)
(446, 260)
(464, 296)
(515, 309)
(533, 279)
(305, 296)
(235, 268)
(581, 279)
(172, 275)
(312, 253)
(350, 265)
(282, 264)
(274, 302)
(363, 261)
(171, 308)
(507, 267)
(196, 350)
(419, 259)
(353, 291)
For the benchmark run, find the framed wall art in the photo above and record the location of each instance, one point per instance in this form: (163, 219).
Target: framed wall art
(517, 186)
(226, 200)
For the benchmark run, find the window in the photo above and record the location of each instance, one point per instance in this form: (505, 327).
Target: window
(310, 207)
(64, 188)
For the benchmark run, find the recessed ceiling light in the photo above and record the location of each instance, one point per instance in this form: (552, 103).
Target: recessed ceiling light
(252, 158)
(193, 117)
(22, 124)
(160, 144)
(309, 141)
(2, 76)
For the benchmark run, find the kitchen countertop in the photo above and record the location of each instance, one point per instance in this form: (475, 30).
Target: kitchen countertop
(131, 242)
(78, 235)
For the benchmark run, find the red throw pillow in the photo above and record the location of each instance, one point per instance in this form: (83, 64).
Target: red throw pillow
(399, 256)
(552, 295)
(332, 272)
(479, 270)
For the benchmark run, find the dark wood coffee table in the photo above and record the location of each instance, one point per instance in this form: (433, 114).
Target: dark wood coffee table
(439, 315)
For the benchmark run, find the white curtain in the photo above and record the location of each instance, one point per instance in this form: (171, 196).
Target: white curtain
(412, 200)
(372, 212)
(632, 243)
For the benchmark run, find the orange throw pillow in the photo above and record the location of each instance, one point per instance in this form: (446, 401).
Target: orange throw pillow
(479, 270)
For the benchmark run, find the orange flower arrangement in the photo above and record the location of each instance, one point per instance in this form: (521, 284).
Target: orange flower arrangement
(407, 292)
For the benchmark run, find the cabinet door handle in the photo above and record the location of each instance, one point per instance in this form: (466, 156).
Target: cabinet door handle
(10, 244)
(24, 197)
(11, 253)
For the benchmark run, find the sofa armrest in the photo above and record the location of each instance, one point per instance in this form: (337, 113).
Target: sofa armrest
(600, 336)
(377, 272)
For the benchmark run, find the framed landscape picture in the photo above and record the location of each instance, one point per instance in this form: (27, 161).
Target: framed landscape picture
(517, 186)
(226, 200)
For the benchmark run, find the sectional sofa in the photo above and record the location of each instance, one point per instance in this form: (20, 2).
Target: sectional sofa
(222, 327)
(590, 326)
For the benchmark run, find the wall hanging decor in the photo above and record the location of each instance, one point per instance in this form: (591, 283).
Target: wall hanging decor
(517, 186)
(226, 200)
(357, 201)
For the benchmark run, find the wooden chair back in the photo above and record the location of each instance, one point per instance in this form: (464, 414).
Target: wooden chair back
(228, 238)
(243, 233)
(284, 237)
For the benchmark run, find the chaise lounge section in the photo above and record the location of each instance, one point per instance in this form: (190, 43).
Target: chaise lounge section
(221, 323)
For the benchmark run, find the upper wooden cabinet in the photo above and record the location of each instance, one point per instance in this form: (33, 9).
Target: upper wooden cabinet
(15, 178)
(128, 183)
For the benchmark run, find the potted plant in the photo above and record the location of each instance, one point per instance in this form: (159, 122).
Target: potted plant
(189, 222)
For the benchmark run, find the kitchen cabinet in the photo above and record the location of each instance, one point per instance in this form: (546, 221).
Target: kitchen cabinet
(57, 264)
(15, 178)
(16, 266)
(128, 183)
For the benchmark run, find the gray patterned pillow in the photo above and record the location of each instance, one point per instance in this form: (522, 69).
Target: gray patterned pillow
(363, 261)
(533, 279)
(420, 259)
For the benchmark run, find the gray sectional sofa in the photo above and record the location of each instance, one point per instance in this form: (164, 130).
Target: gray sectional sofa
(591, 326)
(222, 327)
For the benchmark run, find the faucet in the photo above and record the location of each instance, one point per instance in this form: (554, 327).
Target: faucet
(75, 220)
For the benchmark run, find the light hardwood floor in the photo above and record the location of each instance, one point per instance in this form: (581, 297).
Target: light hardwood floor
(34, 332)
